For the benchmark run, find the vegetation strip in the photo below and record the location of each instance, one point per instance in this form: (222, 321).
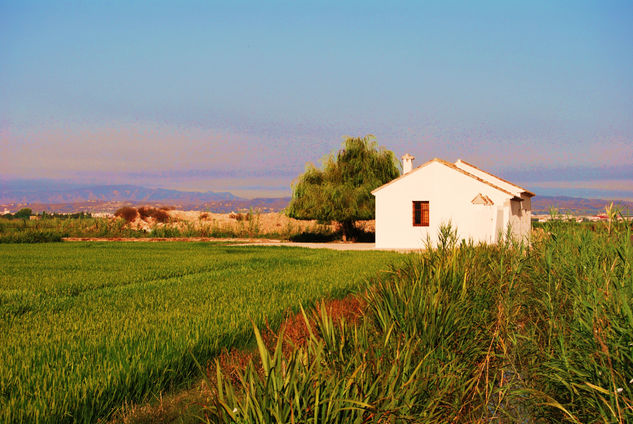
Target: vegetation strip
(180, 225)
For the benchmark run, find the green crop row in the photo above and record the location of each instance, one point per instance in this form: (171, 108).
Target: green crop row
(86, 327)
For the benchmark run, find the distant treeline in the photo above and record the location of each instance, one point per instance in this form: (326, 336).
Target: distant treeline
(27, 213)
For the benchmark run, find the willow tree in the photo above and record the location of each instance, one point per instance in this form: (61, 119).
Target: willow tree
(341, 190)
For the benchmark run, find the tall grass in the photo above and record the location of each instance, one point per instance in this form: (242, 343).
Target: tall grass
(423, 353)
(578, 324)
(465, 333)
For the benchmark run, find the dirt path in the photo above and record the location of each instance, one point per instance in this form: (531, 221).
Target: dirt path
(332, 246)
(244, 242)
(273, 242)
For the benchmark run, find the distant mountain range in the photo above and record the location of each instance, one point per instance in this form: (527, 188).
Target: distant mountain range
(54, 196)
(43, 191)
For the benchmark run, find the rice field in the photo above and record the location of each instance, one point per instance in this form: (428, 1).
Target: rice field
(85, 327)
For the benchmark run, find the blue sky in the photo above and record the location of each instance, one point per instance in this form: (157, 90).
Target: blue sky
(239, 96)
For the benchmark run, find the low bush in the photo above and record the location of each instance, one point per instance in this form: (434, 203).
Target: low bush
(239, 216)
(23, 213)
(145, 211)
(127, 212)
(31, 236)
(159, 215)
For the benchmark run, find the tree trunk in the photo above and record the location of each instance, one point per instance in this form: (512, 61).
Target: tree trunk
(348, 230)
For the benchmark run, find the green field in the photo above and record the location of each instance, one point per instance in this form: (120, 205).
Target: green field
(85, 327)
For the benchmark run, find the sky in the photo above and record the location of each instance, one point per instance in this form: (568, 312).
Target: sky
(238, 96)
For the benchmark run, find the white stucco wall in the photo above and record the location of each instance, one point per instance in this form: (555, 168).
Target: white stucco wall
(520, 218)
(450, 194)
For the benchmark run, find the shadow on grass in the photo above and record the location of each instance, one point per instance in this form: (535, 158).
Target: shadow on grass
(315, 237)
(327, 237)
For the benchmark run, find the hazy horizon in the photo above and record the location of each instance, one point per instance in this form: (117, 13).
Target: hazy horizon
(238, 97)
(618, 191)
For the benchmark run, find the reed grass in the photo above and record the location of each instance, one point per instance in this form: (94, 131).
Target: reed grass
(465, 333)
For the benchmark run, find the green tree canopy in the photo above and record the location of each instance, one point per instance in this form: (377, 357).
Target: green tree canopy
(341, 190)
(23, 213)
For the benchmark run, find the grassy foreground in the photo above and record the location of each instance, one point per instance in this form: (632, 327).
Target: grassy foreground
(85, 327)
(464, 333)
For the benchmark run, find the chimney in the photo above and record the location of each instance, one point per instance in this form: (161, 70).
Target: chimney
(407, 163)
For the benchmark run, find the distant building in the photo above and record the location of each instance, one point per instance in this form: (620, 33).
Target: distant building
(479, 205)
(102, 215)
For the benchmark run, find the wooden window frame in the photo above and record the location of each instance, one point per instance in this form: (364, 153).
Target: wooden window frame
(424, 213)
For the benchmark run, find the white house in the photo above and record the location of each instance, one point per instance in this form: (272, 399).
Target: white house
(479, 205)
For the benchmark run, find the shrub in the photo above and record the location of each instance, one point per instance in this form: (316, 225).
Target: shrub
(239, 217)
(23, 213)
(160, 215)
(31, 236)
(127, 212)
(144, 211)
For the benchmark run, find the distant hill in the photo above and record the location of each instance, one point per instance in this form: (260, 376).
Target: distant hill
(52, 196)
(275, 204)
(575, 205)
(48, 192)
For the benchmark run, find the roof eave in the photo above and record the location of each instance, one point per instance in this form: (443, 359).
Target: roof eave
(524, 191)
(374, 191)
